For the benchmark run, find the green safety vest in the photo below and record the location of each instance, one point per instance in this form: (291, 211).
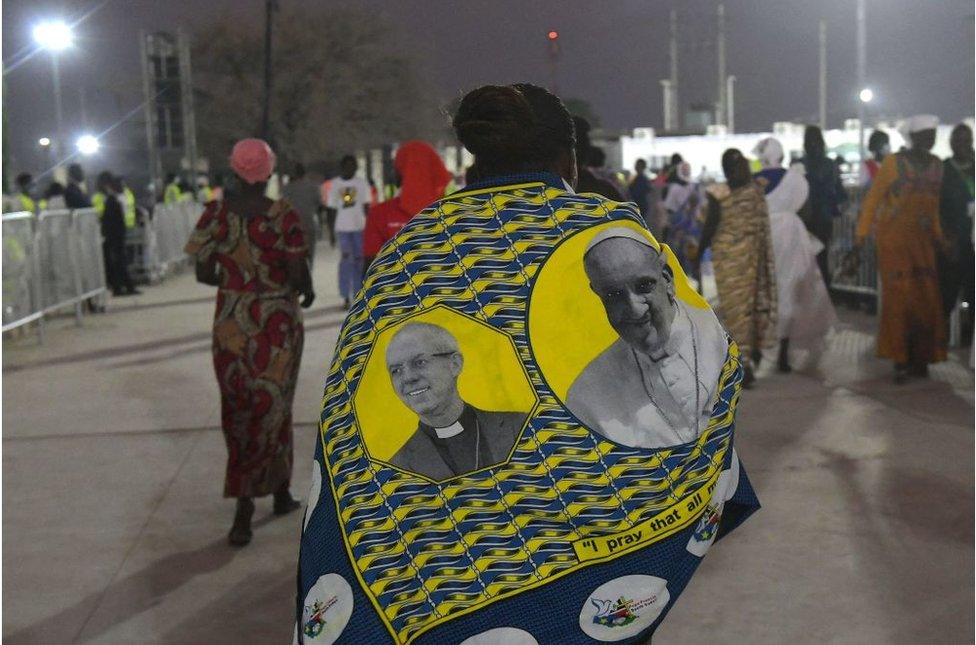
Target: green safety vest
(172, 194)
(129, 206)
(98, 203)
(26, 203)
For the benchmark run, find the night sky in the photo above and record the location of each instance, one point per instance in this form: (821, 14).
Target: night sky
(920, 55)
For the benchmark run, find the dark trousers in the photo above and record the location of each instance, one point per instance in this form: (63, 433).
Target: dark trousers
(116, 264)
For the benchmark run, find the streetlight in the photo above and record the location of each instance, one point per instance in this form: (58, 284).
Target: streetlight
(55, 36)
(44, 142)
(87, 144)
(866, 95)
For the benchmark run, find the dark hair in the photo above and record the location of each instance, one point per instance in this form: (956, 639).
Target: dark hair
(877, 139)
(170, 177)
(75, 172)
(513, 128)
(596, 157)
(55, 188)
(348, 159)
(813, 142)
(104, 179)
(640, 162)
(676, 158)
(24, 179)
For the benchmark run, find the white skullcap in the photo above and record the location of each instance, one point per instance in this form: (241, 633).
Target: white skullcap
(770, 152)
(624, 232)
(921, 122)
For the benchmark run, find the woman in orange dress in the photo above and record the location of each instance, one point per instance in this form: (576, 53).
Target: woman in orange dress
(902, 210)
(253, 249)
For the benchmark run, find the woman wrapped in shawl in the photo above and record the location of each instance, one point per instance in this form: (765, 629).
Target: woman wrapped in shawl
(526, 386)
(737, 230)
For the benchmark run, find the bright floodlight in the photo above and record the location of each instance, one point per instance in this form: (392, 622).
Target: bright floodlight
(54, 35)
(866, 95)
(44, 141)
(87, 144)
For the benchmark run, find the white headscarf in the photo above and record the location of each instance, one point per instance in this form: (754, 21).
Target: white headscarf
(770, 152)
(920, 122)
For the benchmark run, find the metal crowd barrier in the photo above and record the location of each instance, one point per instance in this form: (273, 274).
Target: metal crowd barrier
(155, 249)
(864, 281)
(50, 262)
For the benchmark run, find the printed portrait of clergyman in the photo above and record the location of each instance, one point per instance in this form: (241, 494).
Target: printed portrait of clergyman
(655, 386)
(452, 436)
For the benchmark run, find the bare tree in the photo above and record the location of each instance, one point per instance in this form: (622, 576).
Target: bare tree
(343, 82)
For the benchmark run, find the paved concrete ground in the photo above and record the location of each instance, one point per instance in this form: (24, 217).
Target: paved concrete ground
(114, 528)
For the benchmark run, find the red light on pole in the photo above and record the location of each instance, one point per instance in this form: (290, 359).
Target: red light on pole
(553, 35)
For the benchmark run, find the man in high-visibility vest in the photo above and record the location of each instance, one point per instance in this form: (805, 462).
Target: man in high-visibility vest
(24, 183)
(172, 192)
(204, 192)
(98, 198)
(128, 199)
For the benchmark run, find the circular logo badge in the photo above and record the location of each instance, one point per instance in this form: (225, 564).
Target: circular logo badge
(327, 609)
(502, 636)
(623, 607)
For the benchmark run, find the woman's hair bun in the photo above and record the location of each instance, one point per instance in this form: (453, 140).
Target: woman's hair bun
(492, 122)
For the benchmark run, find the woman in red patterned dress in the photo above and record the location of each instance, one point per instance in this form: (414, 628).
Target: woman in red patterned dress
(254, 250)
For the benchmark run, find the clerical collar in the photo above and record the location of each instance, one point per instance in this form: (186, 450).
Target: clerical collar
(450, 431)
(465, 421)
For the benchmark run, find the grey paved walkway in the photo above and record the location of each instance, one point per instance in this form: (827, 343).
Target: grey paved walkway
(114, 528)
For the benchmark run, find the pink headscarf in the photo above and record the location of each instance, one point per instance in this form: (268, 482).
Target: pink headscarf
(252, 160)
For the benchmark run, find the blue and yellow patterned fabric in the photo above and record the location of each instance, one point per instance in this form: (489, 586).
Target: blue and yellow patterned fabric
(558, 534)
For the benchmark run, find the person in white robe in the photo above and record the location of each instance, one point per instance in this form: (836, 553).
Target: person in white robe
(804, 310)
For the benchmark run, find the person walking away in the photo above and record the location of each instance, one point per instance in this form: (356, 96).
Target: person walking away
(113, 237)
(640, 193)
(25, 184)
(826, 193)
(173, 193)
(204, 191)
(253, 250)
(588, 182)
(461, 271)
(804, 312)
(53, 197)
(75, 195)
(423, 178)
(902, 211)
(303, 195)
(349, 199)
(879, 145)
(328, 213)
(956, 215)
(737, 231)
(685, 207)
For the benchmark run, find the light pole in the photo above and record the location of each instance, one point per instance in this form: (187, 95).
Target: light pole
(55, 36)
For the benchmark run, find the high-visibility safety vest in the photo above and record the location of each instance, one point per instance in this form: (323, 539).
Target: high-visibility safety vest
(129, 206)
(205, 194)
(26, 203)
(98, 203)
(172, 194)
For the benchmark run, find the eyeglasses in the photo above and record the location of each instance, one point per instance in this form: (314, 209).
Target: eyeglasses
(418, 363)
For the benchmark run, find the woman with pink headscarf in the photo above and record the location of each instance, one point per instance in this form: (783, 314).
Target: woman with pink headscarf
(254, 251)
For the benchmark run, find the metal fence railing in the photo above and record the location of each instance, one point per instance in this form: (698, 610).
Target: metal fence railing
(863, 281)
(53, 261)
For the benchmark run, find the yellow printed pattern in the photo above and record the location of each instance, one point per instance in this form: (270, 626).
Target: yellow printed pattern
(424, 552)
